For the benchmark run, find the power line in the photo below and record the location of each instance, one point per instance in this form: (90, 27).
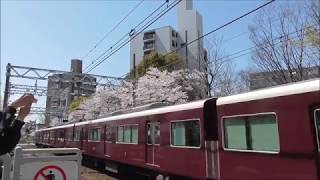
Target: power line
(125, 35)
(259, 46)
(135, 35)
(114, 28)
(224, 25)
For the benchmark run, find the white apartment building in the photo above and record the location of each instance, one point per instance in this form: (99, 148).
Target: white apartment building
(166, 39)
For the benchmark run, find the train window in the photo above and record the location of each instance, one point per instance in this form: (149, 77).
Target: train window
(153, 130)
(45, 135)
(134, 134)
(120, 134)
(264, 133)
(128, 134)
(258, 133)
(108, 134)
(77, 135)
(52, 135)
(94, 134)
(69, 136)
(317, 123)
(185, 133)
(235, 133)
(61, 136)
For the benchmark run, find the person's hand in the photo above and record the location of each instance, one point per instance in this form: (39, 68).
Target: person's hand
(23, 100)
(24, 103)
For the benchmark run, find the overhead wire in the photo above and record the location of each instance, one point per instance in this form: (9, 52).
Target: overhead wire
(259, 46)
(159, 15)
(220, 27)
(114, 28)
(126, 34)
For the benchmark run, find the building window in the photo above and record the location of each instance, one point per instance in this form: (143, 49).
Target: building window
(94, 134)
(173, 33)
(185, 133)
(148, 45)
(128, 134)
(147, 53)
(255, 133)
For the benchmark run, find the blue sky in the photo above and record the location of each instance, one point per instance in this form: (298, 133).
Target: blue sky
(48, 34)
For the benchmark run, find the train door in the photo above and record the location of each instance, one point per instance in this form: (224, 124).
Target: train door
(152, 142)
(316, 116)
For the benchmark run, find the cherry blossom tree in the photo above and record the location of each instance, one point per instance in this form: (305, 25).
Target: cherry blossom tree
(155, 86)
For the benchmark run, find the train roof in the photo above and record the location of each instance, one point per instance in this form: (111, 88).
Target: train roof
(282, 90)
(161, 110)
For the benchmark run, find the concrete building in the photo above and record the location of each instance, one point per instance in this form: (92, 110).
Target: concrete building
(161, 40)
(165, 39)
(267, 79)
(191, 28)
(63, 88)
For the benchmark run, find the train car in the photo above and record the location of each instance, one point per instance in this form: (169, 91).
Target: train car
(146, 140)
(270, 133)
(264, 134)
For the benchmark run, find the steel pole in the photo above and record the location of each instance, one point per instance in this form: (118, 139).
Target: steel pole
(7, 87)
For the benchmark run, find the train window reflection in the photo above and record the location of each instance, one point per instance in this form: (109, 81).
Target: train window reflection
(61, 136)
(185, 133)
(120, 134)
(153, 130)
(128, 134)
(235, 133)
(108, 134)
(77, 135)
(94, 134)
(258, 132)
(52, 135)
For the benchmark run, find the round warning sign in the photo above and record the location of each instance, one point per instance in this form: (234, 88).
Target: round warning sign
(53, 170)
(50, 173)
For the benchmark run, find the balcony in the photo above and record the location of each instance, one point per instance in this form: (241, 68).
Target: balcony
(149, 36)
(148, 46)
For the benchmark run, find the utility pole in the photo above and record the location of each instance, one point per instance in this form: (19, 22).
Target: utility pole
(7, 87)
(186, 34)
(134, 82)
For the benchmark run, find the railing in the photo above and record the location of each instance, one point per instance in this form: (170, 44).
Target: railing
(148, 46)
(148, 36)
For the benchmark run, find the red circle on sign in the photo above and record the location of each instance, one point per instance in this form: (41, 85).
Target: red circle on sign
(40, 173)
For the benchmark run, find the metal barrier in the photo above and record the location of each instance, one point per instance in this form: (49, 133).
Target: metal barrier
(6, 159)
(63, 163)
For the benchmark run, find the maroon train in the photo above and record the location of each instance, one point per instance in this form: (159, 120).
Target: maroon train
(265, 134)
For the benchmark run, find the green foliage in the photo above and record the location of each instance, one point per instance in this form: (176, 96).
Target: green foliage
(156, 60)
(76, 103)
